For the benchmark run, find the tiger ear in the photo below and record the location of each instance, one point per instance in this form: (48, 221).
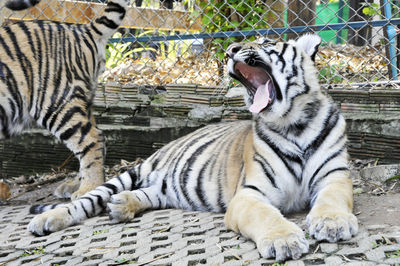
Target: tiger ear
(309, 44)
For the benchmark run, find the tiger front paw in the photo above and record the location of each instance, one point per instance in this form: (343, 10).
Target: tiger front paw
(332, 226)
(123, 206)
(50, 221)
(291, 245)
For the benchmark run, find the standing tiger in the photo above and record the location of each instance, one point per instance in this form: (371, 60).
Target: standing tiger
(292, 155)
(48, 76)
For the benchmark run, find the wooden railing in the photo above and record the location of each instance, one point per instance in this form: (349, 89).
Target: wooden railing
(84, 12)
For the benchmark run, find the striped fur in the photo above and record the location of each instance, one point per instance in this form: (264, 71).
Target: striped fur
(291, 156)
(21, 4)
(48, 76)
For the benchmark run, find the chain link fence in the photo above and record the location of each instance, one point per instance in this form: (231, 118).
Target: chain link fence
(167, 42)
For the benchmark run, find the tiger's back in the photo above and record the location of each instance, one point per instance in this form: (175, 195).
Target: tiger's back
(42, 70)
(191, 176)
(48, 76)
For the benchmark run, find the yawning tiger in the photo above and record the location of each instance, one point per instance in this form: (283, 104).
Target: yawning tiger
(291, 156)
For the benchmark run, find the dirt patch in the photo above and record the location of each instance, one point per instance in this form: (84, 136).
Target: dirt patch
(383, 209)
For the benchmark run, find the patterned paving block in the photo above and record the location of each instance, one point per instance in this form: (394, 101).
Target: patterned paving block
(174, 237)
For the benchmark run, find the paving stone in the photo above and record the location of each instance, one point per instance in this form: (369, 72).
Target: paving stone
(175, 237)
(334, 260)
(295, 263)
(393, 261)
(359, 263)
(328, 247)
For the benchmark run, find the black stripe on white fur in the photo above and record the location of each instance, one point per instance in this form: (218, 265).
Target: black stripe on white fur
(93, 202)
(21, 4)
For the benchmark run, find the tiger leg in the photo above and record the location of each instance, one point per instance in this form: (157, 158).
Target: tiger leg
(124, 206)
(85, 140)
(331, 216)
(250, 214)
(3, 124)
(11, 123)
(53, 218)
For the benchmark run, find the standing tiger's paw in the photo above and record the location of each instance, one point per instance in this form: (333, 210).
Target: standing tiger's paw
(82, 191)
(332, 226)
(50, 221)
(66, 189)
(86, 187)
(289, 246)
(123, 206)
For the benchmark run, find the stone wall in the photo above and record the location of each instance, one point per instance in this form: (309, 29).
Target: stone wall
(138, 120)
(373, 122)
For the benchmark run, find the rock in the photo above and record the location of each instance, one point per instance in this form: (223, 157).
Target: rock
(236, 92)
(205, 113)
(380, 173)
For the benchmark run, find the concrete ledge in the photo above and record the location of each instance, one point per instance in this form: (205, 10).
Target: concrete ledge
(137, 120)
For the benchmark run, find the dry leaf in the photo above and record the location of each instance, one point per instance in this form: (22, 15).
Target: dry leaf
(5, 192)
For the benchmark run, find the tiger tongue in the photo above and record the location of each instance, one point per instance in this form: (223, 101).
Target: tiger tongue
(261, 99)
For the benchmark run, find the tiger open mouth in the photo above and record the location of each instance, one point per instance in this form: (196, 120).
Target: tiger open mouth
(259, 84)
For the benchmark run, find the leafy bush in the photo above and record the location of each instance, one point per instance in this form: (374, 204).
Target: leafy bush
(231, 16)
(331, 74)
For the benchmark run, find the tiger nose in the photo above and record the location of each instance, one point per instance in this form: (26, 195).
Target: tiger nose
(233, 49)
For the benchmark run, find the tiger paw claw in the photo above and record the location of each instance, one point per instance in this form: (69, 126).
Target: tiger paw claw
(332, 228)
(283, 248)
(50, 221)
(123, 206)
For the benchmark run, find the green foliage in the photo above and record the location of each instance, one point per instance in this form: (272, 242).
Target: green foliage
(38, 250)
(393, 178)
(393, 254)
(158, 99)
(118, 52)
(331, 74)
(279, 264)
(230, 16)
(371, 9)
(124, 261)
(100, 232)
